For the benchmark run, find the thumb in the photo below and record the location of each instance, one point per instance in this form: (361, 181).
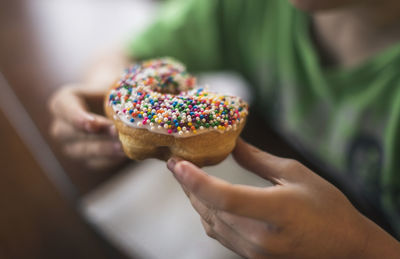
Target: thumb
(266, 165)
(217, 194)
(71, 106)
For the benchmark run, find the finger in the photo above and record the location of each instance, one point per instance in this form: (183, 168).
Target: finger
(243, 226)
(248, 230)
(261, 203)
(255, 232)
(104, 163)
(63, 131)
(68, 104)
(228, 238)
(206, 213)
(211, 233)
(83, 150)
(207, 227)
(268, 166)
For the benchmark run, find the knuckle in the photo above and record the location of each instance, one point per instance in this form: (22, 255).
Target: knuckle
(184, 164)
(57, 130)
(76, 150)
(208, 217)
(98, 148)
(290, 164)
(209, 231)
(56, 98)
(79, 123)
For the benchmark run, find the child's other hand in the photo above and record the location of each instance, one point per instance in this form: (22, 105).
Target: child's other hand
(84, 135)
(301, 216)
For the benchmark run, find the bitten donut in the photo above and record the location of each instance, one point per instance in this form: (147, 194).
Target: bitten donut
(159, 113)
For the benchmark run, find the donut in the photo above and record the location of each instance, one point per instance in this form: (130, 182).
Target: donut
(159, 112)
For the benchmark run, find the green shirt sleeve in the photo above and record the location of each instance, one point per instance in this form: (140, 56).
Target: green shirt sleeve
(187, 30)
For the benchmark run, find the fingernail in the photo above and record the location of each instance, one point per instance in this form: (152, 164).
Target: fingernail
(171, 163)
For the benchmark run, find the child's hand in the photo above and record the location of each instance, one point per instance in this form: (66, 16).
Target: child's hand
(84, 135)
(302, 216)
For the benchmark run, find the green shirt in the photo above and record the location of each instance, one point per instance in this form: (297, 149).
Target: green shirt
(348, 118)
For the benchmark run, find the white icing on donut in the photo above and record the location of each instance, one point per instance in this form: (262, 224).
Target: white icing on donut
(157, 95)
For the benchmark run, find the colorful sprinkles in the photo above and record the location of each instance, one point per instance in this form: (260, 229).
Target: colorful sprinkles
(158, 95)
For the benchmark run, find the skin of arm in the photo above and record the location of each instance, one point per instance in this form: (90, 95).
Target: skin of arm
(79, 125)
(301, 216)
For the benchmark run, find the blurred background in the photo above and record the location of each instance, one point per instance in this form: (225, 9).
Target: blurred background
(50, 207)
